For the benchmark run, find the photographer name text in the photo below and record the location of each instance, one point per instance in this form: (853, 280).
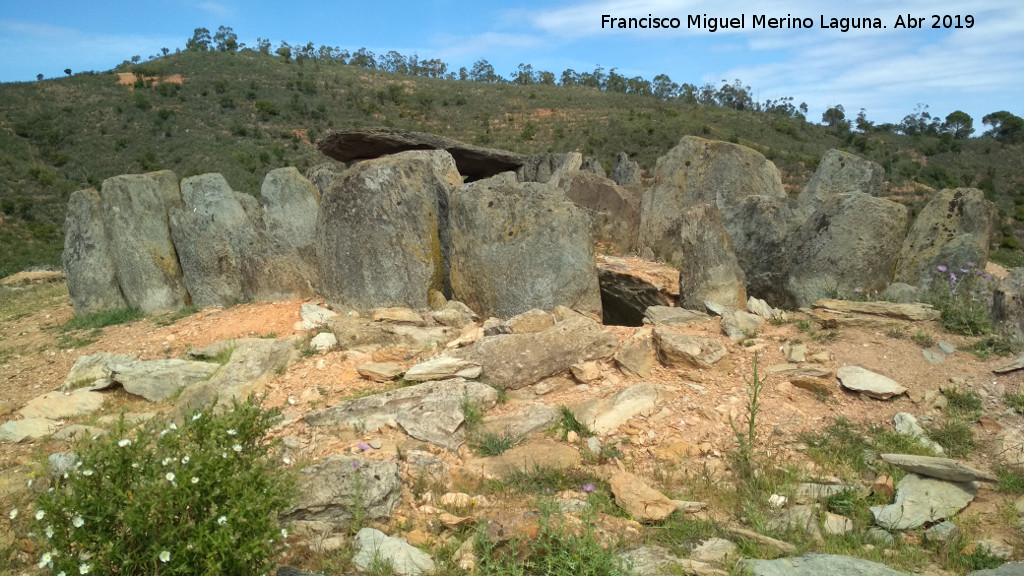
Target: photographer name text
(788, 22)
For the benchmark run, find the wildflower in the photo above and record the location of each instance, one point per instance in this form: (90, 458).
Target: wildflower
(588, 488)
(170, 476)
(166, 461)
(987, 277)
(184, 460)
(40, 514)
(952, 277)
(165, 556)
(223, 454)
(971, 264)
(195, 480)
(61, 573)
(231, 432)
(87, 472)
(164, 432)
(173, 426)
(197, 416)
(941, 268)
(77, 522)
(49, 531)
(135, 465)
(124, 442)
(222, 520)
(237, 447)
(284, 532)
(355, 464)
(364, 446)
(286, 460)
(14, 513)
(84, 569)
(46, 560)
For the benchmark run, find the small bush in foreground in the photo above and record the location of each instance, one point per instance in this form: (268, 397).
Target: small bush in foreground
(197, 498)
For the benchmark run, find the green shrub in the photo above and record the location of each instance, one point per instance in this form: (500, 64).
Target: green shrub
(201, 497)
(962, 296)
(102, 319)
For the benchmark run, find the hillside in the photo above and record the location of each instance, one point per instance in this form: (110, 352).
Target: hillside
(245, 113)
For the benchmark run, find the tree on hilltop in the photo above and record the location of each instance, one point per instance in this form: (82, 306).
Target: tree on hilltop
(226, 39)
(959, 124)
(1006, 127)
(199, 42)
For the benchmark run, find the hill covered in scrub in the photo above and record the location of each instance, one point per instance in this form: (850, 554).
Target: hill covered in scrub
(244, 113)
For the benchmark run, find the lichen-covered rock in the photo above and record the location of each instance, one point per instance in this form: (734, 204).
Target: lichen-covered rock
(953, 230)
(1008, 303)
(517, 246)
(88, 263)
(289, 205)
(708, 269)
(614, 211)
(841, 173)
(380, 231)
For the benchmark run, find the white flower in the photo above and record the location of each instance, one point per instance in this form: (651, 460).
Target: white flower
(61, 573)
(286, 460)
(195, 480)
(223, 454)
(124, 442)
(77, 522)
(231, 432)
(173, 426)
(222, 520)
(40, 514)
(164, 432)
(170, 476)
(135, 464)
(166, 461)
(197, 416)
(46, 560)
(14, 513)
(184, 459)
(237, 447)
(84, 569)
(87, 472)
(777, 500)
(49, 531)
(165, 556)
(284, 532)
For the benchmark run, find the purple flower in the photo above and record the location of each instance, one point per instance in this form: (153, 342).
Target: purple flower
(364, 446)
(952, 277)
(588, 488)
(971, 264)
(355, 464)
(941, 268)
(964, 271)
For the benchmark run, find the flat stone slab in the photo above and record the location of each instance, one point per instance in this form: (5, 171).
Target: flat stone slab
(365, 143)
(157, 380)
(817, 565)
(869, 383)
(521, 423)
(442, 367)
(915, 312)
(26, 429)
(658, 561)
(57, 405)
(920, 500)
(405, 559)
(381, 371)
(605, 415)
(941, 468)
(88, 369)
(644, 504)
(670, 316)
(524, 458)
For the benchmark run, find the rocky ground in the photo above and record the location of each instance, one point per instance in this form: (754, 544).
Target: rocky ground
(659, 417)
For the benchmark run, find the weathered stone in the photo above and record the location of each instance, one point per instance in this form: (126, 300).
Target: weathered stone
(644, 504)
(740, 325)
(818, 564)
(906, 425)
(442, 367)
(547, 167)
(521, 423)
(135, 211)
(529, 322)
(625, 298)
(953, 230)
(380, 371)
(363, 143)
(941, 468)
(214, 240)
(699, 171)
(157, 380)
(915, 312)
(323, 341)
(669, 316)
(57, 405)
(942, 532)
(920, 500)
(932, 356)
(88, 369)
(868, 383)
(380, 231)
(512, 361)
(360, 334)
(87, 258)
(657, 561)
(849, 243)
(636, 356)
(681, 350)
(762, 309)
(901, 293)
(1008, 569)
(432, 412)
(708, 268)
(625, 172)
(253, 363)
(605, 415)
(945, 347)
(715, 551)
(525, 458)
(520, 246)
(398, 316)
(1008, 304)
(836, 525)
(614, 211)
(329, 489)
(26, 429)
(762, 229)
(323, 174)
(842, 173)
(802, 519)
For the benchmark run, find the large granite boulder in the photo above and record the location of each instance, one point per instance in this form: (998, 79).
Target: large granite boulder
(625, 172)
(699, 171)
(287, 218)
(381, 231)
(849, 244)
(841, 173)
(761, 232)
(517, 246)
(614, 211)
(952, 230)
(135, 212)
(321, 175)
(708, 269)
(213, 237)
(1008, 303)
(364, 143)
(88, 263)
(548, 167)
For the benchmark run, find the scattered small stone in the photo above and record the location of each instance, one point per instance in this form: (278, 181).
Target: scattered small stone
(884, 486)
(376, 444)
(585, 372)
(869, 383)
(572, 437)
(644, 504)
(797, 353)
(714, 551)
(406, 560)
(932, 356)
(942, 468)
(946, 347)
(594, 445)
(881, 536)
(323, 341)
(906, 425)
(380, 371)
(941, 532)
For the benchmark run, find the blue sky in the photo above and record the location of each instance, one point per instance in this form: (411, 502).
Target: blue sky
(888, 71)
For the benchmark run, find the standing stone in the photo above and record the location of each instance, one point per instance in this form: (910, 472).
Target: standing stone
(321, 175)
(708, 269)
(614, 211)
(135, 211)
(88, 263)
(849, 243)
(761, 229)
(699, 171)
(952, 230)
(212, 234)
(1007, 303)
(380, 231)
(286, 265)
(517, 246)
(546, 167)
(841, 173)
(626, 172)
